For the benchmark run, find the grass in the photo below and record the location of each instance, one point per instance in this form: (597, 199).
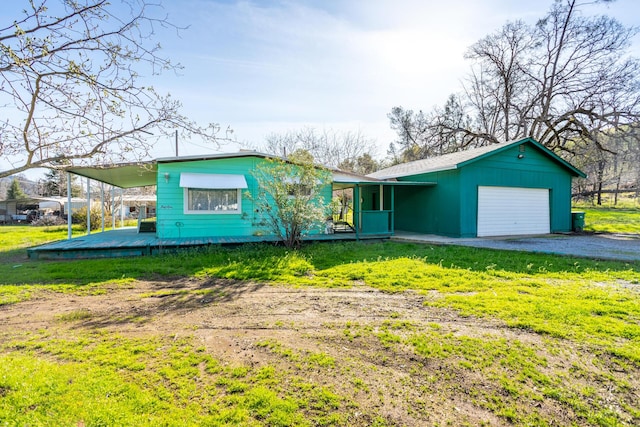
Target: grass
(586, 313)
(14, 238)
(557, 296)
(612, 220)
(106, 379)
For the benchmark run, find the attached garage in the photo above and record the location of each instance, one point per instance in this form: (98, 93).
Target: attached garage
(512, 211)
(507, 189)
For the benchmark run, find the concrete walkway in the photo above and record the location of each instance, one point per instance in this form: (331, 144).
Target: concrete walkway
(622, 247)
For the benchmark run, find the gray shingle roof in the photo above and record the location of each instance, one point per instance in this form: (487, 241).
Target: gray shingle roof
(440, 163)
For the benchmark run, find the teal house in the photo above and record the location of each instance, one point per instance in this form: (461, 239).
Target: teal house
(213, 195)
(511, 188)
(211, 198)
(507, 189)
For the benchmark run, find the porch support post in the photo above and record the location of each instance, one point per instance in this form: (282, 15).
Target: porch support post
(121, 208)
(69, 231)
(88, 206)
(102, 203)
(357, 214)
(393, 209)
(113, 208)
(381, 197)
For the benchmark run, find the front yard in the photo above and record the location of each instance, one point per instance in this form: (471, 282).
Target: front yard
(379, 334)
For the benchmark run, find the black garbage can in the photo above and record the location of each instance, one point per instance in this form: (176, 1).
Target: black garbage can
(577, 221)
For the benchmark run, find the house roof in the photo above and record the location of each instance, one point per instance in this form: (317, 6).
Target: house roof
(342, 180)
(129, 175)
(213, 156)
(140, 174)
(463, 158)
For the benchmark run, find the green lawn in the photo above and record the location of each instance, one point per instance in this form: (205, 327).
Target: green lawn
(588, 309)
(611, 220)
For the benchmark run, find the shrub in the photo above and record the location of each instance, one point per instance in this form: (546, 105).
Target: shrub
(80, 217)
(48, 220)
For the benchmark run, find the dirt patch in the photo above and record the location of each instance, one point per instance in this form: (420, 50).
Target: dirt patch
(254, 325)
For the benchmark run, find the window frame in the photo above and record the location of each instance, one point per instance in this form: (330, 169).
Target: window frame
(188, 211)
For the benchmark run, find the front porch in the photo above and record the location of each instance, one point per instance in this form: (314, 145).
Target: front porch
(127, 241)
(368, 205)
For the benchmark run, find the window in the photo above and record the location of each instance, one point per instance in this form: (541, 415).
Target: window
(212, 193)
(295, 189)
(205, 200)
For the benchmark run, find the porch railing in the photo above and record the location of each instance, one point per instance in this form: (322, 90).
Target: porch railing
(376, 222)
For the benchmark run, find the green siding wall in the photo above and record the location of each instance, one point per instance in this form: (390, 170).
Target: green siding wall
(172, 222)
(504, 169)
(434, 210)
(451, 207)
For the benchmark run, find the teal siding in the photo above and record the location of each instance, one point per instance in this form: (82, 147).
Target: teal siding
(370, 218)
(433, 210)
(172, 222)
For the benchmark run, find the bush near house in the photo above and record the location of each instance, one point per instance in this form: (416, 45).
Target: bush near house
(80, 217)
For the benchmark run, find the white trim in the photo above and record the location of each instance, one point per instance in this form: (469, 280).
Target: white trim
(212, 181)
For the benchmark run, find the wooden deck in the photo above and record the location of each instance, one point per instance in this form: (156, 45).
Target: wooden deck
(128, 242)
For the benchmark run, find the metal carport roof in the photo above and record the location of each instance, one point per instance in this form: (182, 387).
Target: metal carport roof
(125, 175)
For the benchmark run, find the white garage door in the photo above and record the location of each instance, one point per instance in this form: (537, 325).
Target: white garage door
(511, 211)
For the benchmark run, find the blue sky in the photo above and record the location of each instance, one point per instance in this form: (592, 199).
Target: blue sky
(273, 66)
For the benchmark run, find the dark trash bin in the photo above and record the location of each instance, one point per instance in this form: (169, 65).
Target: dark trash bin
(577, 221)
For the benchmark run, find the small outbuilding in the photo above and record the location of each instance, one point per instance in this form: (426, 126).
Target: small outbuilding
(507, 189)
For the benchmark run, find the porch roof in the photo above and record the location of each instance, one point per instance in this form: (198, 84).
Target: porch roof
(124, 175)
(140, 174)
(343, 184)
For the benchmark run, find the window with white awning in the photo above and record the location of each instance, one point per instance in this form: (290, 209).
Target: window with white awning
(212, 193)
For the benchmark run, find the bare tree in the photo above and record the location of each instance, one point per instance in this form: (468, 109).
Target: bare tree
(328, 147)
(612, 166)
(568, 78)
(71, 84)
(423, 135)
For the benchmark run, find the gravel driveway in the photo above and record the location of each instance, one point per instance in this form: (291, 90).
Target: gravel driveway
(624, 247)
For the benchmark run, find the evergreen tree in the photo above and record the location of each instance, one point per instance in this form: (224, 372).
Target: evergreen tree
(15, 191)
(55, 184)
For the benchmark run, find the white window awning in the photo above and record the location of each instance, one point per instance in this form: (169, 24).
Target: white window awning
(212, 181)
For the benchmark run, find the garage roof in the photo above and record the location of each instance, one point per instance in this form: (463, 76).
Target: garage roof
(462, 158)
